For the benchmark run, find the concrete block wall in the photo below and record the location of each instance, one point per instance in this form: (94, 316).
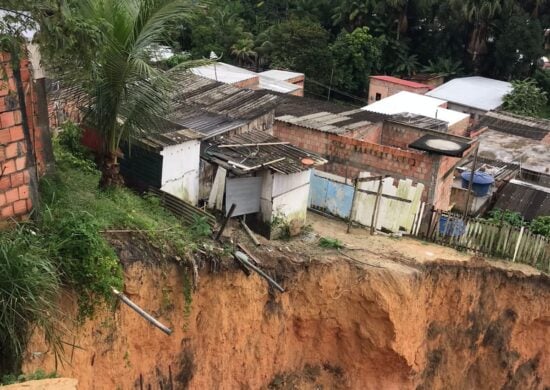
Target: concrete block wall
(17, 175)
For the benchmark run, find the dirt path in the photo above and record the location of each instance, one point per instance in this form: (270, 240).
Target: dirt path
(362, 246)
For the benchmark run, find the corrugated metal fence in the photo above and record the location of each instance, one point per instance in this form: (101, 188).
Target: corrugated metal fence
(397, 208)
(491, 239)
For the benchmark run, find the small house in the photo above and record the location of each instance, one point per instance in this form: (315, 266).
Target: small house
(267, 180)
(380, 87)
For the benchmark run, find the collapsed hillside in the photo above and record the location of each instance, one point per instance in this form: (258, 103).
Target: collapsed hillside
(341, 324)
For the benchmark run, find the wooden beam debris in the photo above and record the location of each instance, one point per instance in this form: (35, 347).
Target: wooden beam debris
(250, 233)
(224, 224)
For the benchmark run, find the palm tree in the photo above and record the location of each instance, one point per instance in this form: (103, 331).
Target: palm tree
(126, 95)
(479, 13)
(243, 50)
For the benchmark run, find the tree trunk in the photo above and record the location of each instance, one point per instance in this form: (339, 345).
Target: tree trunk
(110, 172)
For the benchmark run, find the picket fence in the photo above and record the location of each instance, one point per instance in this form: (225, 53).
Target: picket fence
(488, 238)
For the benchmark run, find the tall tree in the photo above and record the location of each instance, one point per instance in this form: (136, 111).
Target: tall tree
(125, 94)
(356, 56)
(479, 13)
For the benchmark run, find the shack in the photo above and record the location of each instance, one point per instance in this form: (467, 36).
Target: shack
(267, 179)
(169, 158)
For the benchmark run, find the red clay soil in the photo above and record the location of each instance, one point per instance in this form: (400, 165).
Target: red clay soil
(339, 325)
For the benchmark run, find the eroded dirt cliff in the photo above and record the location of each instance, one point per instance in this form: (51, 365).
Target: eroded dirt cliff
(340, 324)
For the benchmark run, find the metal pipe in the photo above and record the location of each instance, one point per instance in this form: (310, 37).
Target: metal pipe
(243, 258)
(141, 312)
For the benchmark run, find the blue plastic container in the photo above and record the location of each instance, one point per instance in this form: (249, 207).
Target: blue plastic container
(453, 228)
(481, 184)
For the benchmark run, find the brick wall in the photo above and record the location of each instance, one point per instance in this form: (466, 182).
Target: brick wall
(17, 174)
(386, 88)
(348, 156)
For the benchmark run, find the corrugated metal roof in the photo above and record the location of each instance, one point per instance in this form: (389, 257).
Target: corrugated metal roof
(420, 121)
(416, 104)
(325, 122)
(230, 74)
(219, 98)
(282, 158)
(528, 199)
(223, 72)
(283, 75)
(206, 123)
(477, 92)
(406, 83)
(506, 122)
(500, 170)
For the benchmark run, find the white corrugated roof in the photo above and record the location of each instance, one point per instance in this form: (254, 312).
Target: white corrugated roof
(283, 75)
(224, 73)
(231, 74)
(277, 85)
(476, 92)
(416, 104)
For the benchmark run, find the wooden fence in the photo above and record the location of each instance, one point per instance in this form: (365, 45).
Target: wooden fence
(488, 238)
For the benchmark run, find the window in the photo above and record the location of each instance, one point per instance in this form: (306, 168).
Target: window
(378, 97)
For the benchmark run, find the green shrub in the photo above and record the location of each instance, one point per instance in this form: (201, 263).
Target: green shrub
(84, 259)
(29, 286)
(330, 243)
(541, 225)
(39, 374)
(506, 216)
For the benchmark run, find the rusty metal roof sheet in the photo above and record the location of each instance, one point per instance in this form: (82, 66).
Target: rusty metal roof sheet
(282, 158)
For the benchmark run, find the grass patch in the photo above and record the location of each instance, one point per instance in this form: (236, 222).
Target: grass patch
(65, 246)
(330, 243)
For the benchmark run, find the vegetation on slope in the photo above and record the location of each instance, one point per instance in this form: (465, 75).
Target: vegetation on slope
(65, 246)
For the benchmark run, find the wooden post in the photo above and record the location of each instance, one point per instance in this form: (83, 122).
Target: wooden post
(222, 228)
(517, 243)
(352, 204)
(374, 219)
(471, 182)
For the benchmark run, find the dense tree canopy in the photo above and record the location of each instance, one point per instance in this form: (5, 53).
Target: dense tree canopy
(326, 38)
(494, 38)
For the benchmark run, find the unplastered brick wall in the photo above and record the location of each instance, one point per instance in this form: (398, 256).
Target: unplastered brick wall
(17, 175)
(347, 156)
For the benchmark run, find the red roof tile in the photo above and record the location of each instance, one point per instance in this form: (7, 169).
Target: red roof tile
(395, 80)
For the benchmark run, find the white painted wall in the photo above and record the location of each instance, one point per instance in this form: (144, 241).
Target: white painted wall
(392, 214)
(290, 196)
(180, 170)
(266, 202)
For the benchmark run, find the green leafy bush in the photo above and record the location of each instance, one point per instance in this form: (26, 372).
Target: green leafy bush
(506, 216)
(541, 225)
(200, 227)
(29, 286)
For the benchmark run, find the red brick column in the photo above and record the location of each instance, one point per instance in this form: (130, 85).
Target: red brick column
(15, 174)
